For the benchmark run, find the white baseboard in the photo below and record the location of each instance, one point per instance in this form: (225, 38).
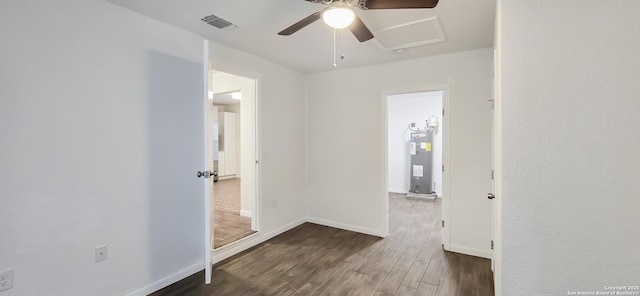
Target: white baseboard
(239, 246)
(470, 251)
(232, 249)
(168, 280)
(217, 256)
(348, 227)
(244, 213)
(393, 190)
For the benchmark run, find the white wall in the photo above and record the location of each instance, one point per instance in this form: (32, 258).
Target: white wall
(85, 144)
(569, 102)
(345, 118)
(404, 109)
(235, 108)
(213, 118)
(85, 132)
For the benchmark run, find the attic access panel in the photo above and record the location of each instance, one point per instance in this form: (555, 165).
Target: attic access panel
(411, 34)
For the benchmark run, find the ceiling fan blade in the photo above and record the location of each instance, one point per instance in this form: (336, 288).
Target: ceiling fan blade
(400, 4)
(360, 30)
(301, 24)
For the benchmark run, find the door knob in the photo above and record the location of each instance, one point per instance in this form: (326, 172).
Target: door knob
(205, 174)
(491, 196)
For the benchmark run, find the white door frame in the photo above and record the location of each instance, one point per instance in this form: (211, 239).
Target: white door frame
(445, 153)
(208, 181)
(496, 258)
(235, 247)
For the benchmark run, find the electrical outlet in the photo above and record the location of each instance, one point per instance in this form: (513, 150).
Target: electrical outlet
(6, 279)
(101, 253)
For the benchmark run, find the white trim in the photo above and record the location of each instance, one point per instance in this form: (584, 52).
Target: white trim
(236, 247)
(469, 251)
(217, 256)
(208, 182)
(168, 280)
(257, 146)
(393, 190)
(256, 84)
(241, 245)
(344, 226)
(497, 151)
(446, 160)
(384, 191)
(384, 195)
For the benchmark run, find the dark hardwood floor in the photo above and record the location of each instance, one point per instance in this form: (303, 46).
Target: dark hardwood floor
(318, 260)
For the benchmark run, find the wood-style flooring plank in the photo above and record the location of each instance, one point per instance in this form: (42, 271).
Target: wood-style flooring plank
(426, 290)
(318, 260)
(447, 287)
(433, 272)
(414, 275)
(405, 291)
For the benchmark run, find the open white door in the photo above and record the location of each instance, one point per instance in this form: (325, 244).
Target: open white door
(495, 176)
(208, 180)
(495, 239)
(446, 190)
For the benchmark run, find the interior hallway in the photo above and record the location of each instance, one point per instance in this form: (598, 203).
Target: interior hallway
(318, 260)
(228, 225)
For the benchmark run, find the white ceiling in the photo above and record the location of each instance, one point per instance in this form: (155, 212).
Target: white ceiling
(467, 25)
(224, 99)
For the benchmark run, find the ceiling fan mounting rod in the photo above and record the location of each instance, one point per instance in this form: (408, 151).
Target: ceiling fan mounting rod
(383, 4)
(353, 3)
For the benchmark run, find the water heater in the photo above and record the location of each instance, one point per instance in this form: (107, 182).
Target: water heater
(421, 165)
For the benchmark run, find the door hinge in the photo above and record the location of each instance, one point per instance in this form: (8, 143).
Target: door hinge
(492, 175)
(442, 112)
(443, 167)
(257, 162)
(442, 223)
(491, 244)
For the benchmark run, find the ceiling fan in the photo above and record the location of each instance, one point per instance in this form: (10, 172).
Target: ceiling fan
(340, 14)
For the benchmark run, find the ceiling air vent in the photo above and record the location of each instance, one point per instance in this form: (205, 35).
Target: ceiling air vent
(218, 22)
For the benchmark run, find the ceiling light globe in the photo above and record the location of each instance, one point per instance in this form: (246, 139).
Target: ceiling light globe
(338, 17)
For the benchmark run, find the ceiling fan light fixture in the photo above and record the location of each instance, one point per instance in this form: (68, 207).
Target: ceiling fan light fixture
(338, 17)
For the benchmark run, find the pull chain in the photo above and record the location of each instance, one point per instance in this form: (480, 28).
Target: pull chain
(341, 44)
(335, 47)
(335, 65)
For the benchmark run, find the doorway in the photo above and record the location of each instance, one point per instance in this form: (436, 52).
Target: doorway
(232, 118)
(416, 149)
